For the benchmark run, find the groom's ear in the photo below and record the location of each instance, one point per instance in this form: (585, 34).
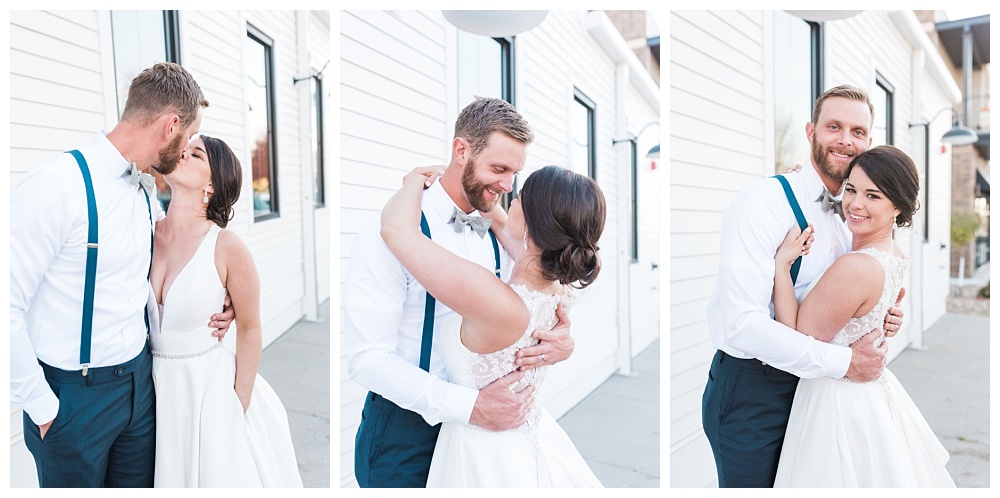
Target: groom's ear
(460, 150)
(170, 125)
(810, 129)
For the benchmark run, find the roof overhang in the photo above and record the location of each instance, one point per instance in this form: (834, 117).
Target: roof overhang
(950, 33)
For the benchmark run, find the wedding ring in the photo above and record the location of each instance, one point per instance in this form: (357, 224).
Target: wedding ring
(543, 357)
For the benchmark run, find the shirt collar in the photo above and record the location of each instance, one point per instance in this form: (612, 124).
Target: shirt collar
(814, 184)
(437, 199)
(112, 164)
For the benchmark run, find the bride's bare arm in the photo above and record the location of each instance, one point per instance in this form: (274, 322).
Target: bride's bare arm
(850, 288)
(243, 283)
(491, 308)
(786, 306)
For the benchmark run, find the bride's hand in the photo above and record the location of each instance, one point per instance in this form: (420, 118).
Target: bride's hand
(430, 174)
(244, 399)
(796, 244)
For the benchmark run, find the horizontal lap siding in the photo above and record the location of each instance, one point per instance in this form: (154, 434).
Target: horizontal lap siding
(393, 108)
(717, 148)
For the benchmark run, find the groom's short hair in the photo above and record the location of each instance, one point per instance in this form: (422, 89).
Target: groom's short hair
(486, 115)
(165, 87)
(844, 91)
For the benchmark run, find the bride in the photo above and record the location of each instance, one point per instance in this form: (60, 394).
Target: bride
(551, 232)
(218, 422)
(857, 434)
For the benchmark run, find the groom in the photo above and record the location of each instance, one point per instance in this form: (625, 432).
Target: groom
(755, 371)
(79, 359)
(387, 314)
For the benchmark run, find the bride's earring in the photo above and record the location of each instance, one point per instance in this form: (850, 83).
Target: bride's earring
(525, 241)
(205, 199)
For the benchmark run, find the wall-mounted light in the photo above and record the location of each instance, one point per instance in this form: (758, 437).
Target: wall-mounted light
(654, 152)
(495, 23)
(958, 134)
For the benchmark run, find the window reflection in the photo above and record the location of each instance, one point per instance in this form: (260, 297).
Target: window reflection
(793, 99)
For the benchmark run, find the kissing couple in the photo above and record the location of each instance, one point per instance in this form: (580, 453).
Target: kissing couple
(118, 309)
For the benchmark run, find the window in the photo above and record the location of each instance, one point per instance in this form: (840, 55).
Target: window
(798, 82)
(883, 102)
(317, 142)
(583, 130)
(486, 69)
(142, 38)
(260, 116)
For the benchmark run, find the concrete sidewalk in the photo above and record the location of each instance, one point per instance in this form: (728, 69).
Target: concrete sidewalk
(617, 427)
(297, 366)
(949, 380)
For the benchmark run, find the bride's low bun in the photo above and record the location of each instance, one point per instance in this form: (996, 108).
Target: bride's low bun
(564, 214)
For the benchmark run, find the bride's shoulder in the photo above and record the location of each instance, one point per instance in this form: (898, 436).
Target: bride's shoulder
(230, 247)
(858, 268)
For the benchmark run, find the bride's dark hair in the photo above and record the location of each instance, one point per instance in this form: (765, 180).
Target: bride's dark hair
(894, 173)
(227, 180)
(564, 215)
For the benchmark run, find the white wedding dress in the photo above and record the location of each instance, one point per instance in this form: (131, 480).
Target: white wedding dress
(861, 434)
(203, 438)
(537, 454)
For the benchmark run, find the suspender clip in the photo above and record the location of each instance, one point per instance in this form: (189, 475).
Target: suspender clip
(85, 367)
(92, 245)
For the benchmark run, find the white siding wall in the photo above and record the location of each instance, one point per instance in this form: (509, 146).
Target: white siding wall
(62, 92)
(395, 96)
(717, 147)
(719, 144)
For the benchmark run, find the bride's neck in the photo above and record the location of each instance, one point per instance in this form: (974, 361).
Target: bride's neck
(186, 210)
(528, 271)
(879, 240)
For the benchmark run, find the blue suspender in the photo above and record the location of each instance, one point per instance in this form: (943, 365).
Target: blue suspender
(91, 275)
(799, 217)
(428, 333)
(86, 329)
(425, 339)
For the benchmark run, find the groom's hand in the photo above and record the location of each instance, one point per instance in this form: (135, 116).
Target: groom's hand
(555, 345)
(42, 429)
(498, 408)
(867, 359)
(894, 319)
(221, 321)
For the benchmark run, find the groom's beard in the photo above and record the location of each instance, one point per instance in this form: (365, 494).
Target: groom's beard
(169, 156)
(820, 157)
(474, 187)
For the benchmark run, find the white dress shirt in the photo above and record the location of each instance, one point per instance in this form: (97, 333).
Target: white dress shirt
(741, 312)
(48, 253)
(384, 315)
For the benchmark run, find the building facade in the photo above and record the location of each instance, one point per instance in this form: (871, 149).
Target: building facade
(262, 73)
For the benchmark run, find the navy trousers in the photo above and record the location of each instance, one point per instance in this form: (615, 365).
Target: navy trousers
(393, 447)
(745, 411)
(105, 432)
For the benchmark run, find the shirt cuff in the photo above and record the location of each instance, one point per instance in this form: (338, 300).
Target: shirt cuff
(460, 401)
(43, 409)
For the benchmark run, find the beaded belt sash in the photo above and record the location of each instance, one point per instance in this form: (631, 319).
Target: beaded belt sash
(168, 356)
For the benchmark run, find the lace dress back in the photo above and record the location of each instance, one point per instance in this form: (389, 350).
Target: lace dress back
(477, 370)
(536, 454)
(856, 328)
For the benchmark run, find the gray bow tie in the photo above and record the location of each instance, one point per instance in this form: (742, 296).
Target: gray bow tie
(829, 202)
(136, 177)
(479, 224)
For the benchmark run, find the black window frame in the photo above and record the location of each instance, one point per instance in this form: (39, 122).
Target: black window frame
(320, 187)
(267, 42)
(634, 221)
(890, 107)
(582, 99)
